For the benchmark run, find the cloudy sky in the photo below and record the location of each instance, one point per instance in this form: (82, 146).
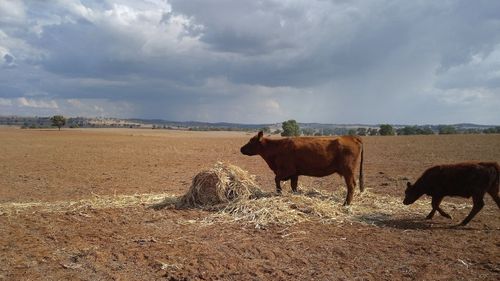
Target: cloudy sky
(412, 62)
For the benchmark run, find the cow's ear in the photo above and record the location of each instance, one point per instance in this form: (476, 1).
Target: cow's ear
(260, 135)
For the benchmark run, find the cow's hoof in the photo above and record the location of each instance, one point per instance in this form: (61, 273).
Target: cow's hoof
(460, 225)
(346, 209)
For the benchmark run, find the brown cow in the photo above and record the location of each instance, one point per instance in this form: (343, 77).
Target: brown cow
(290, 158)
(470, 179)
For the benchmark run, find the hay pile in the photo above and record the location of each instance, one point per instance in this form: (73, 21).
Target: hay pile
(221, 184)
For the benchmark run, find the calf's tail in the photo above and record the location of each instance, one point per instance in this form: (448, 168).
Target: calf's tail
(361, 177)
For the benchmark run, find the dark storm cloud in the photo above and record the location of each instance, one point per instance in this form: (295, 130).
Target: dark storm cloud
(309, 60)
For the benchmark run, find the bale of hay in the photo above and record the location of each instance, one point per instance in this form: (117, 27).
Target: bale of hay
(221, 184)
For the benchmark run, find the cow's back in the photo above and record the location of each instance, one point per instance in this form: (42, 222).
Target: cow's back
(323, 156)
(462, 179)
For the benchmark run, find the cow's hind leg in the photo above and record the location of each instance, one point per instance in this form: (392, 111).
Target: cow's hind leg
(351, 184)
(294, 182)
(478, 205)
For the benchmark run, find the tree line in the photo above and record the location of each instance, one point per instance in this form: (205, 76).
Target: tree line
(292, 128)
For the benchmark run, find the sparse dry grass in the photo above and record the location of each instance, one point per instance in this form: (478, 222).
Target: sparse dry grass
(98, 202)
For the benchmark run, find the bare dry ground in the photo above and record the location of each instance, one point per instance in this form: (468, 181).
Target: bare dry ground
(74, 206)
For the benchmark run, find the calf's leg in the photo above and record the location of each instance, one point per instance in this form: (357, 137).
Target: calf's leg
(436, 201)
(478, 205)
(438, 208)
(431, 214)
(494, 194)
(496, 198)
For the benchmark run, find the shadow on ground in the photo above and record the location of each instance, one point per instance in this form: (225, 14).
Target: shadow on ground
(383, 220)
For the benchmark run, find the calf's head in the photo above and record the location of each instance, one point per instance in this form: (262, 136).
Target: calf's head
(253, 146)
(412, 193)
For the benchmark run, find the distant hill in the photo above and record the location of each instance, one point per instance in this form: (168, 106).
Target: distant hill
(315, 128)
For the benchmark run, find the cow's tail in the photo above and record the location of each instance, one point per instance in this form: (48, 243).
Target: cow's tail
(494, 189)
(361, 177)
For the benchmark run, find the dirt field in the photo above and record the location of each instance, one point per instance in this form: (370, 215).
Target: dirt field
(63, 234)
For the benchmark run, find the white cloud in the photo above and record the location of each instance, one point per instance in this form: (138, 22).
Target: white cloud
(95, 107)
(5, 102)
(25, 102)
(12, 11)
(467, 97)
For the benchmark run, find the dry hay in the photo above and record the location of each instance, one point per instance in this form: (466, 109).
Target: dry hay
(97, 202)
(315, 205)
(221, 184)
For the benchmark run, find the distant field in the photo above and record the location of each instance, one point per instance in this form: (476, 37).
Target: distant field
(53, 165)
(132, 242)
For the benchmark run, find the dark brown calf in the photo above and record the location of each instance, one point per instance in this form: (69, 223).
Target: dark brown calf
(470, 179)
(290, 158)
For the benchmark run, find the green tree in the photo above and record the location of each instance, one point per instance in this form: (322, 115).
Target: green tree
(494, 130)
(386, 130)
(58, 121)
(407, 130)
(308, 131)
(361, 131)
(447, 130)
(425, 131)
(290, 128)
(351, 132)
(372, 132)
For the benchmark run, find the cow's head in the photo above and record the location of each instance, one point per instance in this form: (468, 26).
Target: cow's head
(253, 146)
(412, 193)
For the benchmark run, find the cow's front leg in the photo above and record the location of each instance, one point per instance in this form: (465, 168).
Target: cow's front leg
(294, 182)
(351, 184)
(278, 184)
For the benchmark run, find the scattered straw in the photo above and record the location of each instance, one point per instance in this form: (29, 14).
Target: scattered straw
(98, 202)
(316, 205)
